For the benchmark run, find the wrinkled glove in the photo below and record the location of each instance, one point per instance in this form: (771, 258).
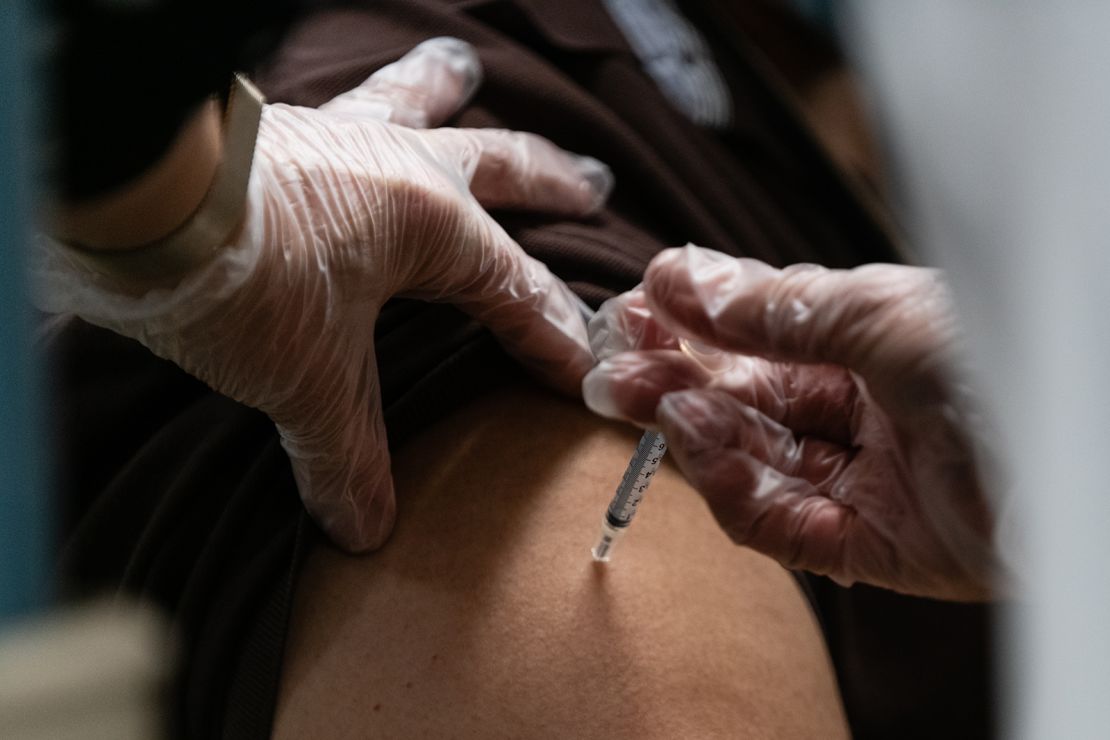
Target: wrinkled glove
(814, 411)
(346, 209)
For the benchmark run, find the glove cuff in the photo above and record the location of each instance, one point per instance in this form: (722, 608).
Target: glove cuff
(192, 244)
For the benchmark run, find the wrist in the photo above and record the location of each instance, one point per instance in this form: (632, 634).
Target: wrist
(199, 218)
(155, 204)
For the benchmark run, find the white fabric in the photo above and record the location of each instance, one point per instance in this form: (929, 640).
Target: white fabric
(677, 57)
(998, 112)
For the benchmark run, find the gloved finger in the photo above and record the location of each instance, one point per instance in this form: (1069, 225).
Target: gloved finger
(629, 385)
(815, 400)
(420, 90)
(737, 426)
(811, 400)
(533, 313)
(513, 169)
(888, 323)
(336, 441)
(625, 323)
(724, 453)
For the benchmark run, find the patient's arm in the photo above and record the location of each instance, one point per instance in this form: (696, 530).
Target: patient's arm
(484, 617)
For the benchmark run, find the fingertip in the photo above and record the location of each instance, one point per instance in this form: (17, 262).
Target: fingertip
(449, 48)
(562, 368)
(624, 324)
(584, 309)
(371, 525)
(568, 377)
(459, 57)
(597, 182)
(672, 293)
(520, 170)
(349, 495)
(387, 518)
(706, 295)
(597, 393)
(629, 386)
(421, 89)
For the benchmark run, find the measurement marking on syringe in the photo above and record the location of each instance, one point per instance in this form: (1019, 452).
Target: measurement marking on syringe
(637, 477)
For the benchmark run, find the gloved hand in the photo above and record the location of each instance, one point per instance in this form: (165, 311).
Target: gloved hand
(815, 413)
(345, 210)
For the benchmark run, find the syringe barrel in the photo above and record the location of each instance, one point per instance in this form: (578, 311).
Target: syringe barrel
(637, 477)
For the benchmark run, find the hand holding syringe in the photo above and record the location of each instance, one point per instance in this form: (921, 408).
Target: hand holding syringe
(841, 441)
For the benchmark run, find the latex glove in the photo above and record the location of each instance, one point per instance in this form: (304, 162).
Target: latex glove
(829, 435)
(346, 210)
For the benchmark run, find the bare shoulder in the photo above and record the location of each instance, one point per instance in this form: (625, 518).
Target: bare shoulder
(484, 615)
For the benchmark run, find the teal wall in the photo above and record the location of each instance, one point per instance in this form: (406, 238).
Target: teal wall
(24, 512)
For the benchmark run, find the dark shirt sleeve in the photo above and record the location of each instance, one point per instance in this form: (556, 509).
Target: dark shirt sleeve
(125, 74)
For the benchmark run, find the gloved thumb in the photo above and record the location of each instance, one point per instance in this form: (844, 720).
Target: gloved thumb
(341, 463)
(423, 88)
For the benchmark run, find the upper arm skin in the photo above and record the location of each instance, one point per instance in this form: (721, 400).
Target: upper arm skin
(485, 617)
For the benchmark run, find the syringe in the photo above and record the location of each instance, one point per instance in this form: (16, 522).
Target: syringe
(637, 477)
(645, 461)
